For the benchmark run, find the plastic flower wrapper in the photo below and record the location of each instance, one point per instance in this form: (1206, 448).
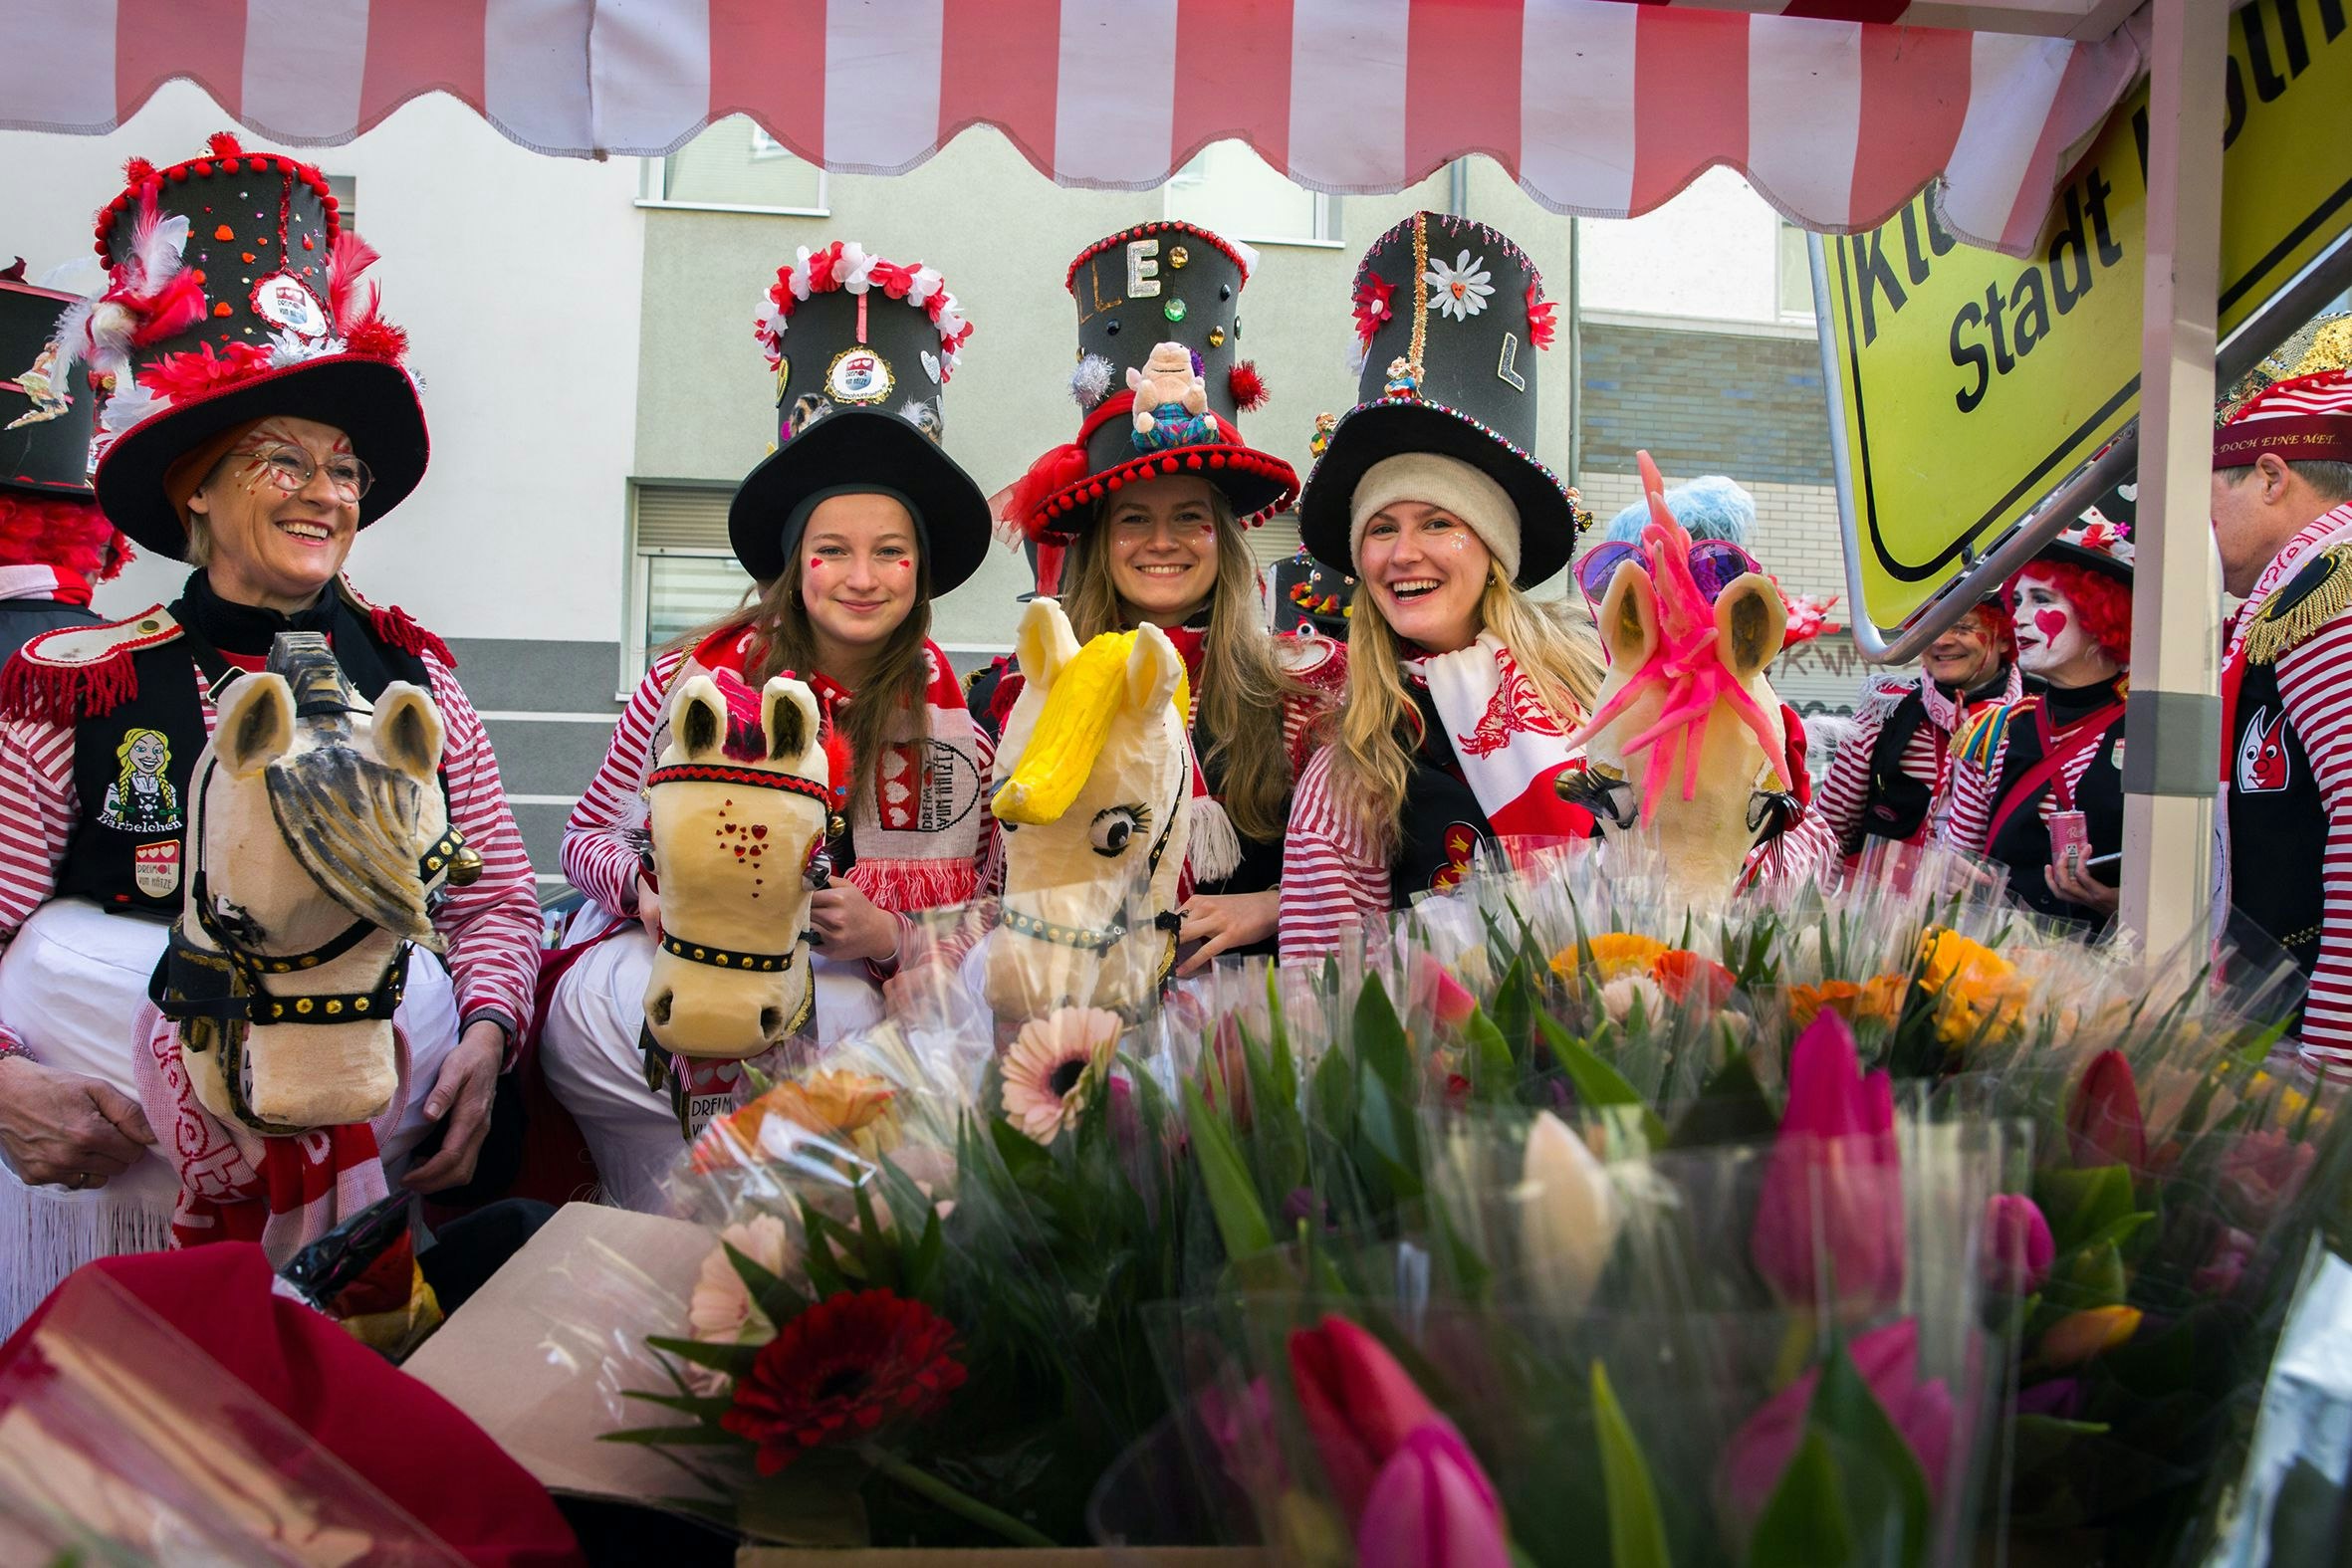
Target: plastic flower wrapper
(123, 1442)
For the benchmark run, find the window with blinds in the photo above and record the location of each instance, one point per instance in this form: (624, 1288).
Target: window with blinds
(683, 572)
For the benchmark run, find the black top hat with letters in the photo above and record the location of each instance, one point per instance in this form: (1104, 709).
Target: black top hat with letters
(233, 296)
(1450, 314)
(1159, 382)
(1308, 594)
(862, 350)
(45, 420)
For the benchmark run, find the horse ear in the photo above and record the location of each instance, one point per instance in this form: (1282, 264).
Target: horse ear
(1750, 620)
(1045, 643)
(788, 712)
(256, 724)
(407, 731)
(700, 727)
(1629, 616)
(1153, 670)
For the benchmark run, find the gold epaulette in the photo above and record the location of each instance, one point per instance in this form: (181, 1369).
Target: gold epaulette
(2303, 605)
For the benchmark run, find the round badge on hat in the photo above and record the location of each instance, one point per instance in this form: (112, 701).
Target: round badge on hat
(233, 296)
(862, 350)
(46, 415)
(1450, 314)
(1159, 382)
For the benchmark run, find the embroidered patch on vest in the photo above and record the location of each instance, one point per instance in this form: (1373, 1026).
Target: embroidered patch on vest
(2262, 764)
(141, 800)
(2307, 602)
(155, 868)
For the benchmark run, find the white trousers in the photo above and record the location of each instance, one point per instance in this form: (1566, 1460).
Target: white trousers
(589, 1051)
(72, 984)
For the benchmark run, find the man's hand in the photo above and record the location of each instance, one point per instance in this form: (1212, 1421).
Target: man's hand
(463, 1092)
(1223, 921)
(848, 925)
(2070, 881)
(61, 1128)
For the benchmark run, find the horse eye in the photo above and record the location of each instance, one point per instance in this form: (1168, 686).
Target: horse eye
(1114, 828)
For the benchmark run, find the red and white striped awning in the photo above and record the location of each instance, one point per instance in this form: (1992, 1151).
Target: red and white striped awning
(1597, 107)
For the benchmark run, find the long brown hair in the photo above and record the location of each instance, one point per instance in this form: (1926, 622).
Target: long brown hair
(892, 705)
(1372, 758)
(1242, 688)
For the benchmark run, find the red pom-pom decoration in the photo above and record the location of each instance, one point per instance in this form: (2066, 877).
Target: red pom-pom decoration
(223, 143)
(1248, 387)
(137, 171)
(376, 339)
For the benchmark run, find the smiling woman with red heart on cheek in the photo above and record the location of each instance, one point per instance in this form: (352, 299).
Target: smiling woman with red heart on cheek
(2038, 786)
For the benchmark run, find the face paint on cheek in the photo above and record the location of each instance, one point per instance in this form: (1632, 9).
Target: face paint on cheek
(814, 565)
(2052, 623)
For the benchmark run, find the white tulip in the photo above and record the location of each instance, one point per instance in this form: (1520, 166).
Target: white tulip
(1569, 1216)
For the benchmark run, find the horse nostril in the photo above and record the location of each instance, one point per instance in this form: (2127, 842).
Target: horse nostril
(771, 1022)
(659, 1007)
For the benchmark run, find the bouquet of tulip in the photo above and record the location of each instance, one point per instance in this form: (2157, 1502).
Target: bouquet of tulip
(1595, 1346)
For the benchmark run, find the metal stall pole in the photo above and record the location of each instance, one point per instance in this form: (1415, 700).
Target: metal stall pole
(2173, 725)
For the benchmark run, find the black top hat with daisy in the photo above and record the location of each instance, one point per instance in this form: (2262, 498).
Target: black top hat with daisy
(862, 349)
(233, 296)
(1159, 382)
(1450, 314)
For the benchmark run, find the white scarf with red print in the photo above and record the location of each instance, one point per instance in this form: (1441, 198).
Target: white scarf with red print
(1508, 743)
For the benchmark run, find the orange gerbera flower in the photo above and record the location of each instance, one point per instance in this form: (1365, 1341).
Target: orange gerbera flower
(845, 1106)
(1614, 954)
(1689, 977)
(1879, 998)
(1974, 987)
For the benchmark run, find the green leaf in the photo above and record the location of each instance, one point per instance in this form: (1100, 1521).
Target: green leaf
(1380, 1040)
(1233, 1195)
(1731, 1108)
(1637, 1532)
(1390, 1137)
(696, 1437)
(701, 1407)
(1492, 1073)
(1515, 1008)
(733, 1360)
(1597, 1083)
(1336, 1097)
(1881, 1472)
(1804, 1523)
(2079, 1205)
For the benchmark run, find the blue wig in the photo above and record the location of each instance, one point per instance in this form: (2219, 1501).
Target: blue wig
(1708, 507)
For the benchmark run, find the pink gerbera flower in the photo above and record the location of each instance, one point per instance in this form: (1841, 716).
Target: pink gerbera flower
(1053, 1062)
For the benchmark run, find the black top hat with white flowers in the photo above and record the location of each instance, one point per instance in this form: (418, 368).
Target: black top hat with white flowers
(1159, 382)
(233, 296)
(1450, 314)
(862, 349)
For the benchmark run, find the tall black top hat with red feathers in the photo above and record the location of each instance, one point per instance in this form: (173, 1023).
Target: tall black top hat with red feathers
(46, 417)
(1449, 316)
(233, 296)
(1159, 382)
(863, 350)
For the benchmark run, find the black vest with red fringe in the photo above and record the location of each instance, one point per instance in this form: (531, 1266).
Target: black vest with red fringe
(133, 694)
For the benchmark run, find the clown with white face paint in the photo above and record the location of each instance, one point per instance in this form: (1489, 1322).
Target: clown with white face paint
(2039, 782)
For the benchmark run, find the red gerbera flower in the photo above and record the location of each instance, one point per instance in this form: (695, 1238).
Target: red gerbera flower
(840, 1369)
(1539, 323)
(1371, 304)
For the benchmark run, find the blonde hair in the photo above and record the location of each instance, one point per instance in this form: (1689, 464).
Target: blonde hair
(891, 705)
(1242, 682)
(1072, 730)
(1379, 727)
(166, 797)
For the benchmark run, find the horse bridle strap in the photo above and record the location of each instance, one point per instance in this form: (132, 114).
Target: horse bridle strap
(749, 778)
(726, 958)
(1101, 938)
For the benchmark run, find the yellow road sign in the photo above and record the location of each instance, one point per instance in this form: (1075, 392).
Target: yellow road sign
(1967, 384)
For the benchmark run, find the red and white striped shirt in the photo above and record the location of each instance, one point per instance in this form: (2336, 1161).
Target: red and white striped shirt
(492, 926)
(1975, 791)
(607, 831)
(2315, 683)
(1845, 793)
(1332, 878)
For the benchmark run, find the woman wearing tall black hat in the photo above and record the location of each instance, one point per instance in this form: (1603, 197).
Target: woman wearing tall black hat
(1146, 510)
(1461, 690)
(261, 415)
(852, 526)
(2038, 786)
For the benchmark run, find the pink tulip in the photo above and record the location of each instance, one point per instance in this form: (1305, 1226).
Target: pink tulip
(2019, 1250)
(2103, 1125)
(2224, 1269)
(1361, 1406)
(1432, 1507)
(1454, 1004)
(1834, 1181)
(2260, 1174)
(1888, 1359)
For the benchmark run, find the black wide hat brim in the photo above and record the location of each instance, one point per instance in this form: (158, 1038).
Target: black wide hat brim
(1370, 432)
(373, 402)
(858, 446)
(2104, 564)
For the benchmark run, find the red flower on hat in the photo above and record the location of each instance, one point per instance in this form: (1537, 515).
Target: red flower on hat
(198, 372)
(1372, 306)
(1539, 323)
(840, 1369)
